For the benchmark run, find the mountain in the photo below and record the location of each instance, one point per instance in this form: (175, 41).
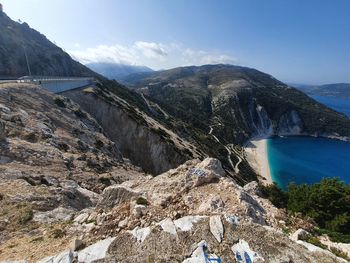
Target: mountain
(44, 58)
(104, 173)
(238, 103)
(115, 70)
(340, 90)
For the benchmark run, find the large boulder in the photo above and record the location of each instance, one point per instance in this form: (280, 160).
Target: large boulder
(252, 188)
(300, 234)
(116, 195)
(96, 251)
(206, 172)
(64, 257)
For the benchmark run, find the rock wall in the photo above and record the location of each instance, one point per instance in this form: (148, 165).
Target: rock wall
(290, 123)
(139, 143)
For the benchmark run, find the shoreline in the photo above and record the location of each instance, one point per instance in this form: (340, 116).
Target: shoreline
(257, 156)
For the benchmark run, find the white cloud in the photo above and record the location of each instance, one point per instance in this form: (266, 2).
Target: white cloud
(151, 49)
(151, 54)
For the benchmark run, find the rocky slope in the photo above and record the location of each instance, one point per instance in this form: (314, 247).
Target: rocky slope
(188, 214)
(44, 57)
(54, 160)
(124, 115)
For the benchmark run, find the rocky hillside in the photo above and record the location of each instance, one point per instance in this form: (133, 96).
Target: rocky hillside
(189, 214)
(54, 161)
(219, 108)
(44, 57)
(238, 103)
(68, 195)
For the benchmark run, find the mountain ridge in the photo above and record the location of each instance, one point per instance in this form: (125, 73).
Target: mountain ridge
(116, 71)
(340, 90)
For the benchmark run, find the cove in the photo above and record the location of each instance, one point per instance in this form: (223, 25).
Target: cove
(302, 159)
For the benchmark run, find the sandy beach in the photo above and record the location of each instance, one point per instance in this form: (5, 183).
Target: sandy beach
(256, 154)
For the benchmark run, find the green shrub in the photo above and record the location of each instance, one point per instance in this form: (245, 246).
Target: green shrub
(141, 201)
(327, 202)
(277, 197)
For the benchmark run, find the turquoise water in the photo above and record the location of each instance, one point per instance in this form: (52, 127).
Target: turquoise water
(338, 104)
(307, 159)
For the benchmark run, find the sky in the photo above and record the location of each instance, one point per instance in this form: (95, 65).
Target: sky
(296, 41)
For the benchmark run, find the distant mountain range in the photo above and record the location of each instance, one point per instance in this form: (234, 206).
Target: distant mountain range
(340, 90)
(117, 71)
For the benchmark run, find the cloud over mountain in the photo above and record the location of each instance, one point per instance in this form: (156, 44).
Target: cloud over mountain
(152, 54)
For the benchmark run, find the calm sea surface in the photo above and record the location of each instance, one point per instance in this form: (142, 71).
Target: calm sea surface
(307, 159)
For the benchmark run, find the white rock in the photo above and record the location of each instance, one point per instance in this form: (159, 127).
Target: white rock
(198, 256)
(216, 227)
(92, 216)
(241, 249)
(81, 218)
(123, 223)
(100, 218)
(186, 223)
(141, 233)
(115, 195)
(95, 251)
(252, 188)
(168, 226)
(88, 227)
(58, 214)
(206, 172)
(94, 198)
(299, 234)
(309, 246)
(64, 257)
(213, 165)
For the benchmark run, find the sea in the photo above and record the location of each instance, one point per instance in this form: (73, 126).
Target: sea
(307, 160)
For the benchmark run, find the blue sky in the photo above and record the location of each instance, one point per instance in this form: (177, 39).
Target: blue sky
(300, 41)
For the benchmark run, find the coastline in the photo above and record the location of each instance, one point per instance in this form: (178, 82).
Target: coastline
(257, 156)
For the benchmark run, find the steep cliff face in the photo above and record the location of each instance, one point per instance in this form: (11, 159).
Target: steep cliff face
(290, 124)
(140, 138)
